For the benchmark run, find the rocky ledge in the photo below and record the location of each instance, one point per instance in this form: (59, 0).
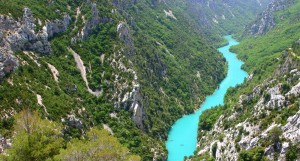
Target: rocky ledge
(267, 20)
(21, 35)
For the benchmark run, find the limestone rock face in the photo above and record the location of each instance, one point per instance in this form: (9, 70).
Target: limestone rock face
(8, 62)
(276, 100)
(125, 36)
(90, 24)
(295, 90)
(58, 26)
(72, 121)
(20, 35)
(24, 37)
(246, 98)
(137, 107)
(285, 67)
(268, 97)
(134, 101)
(4, 143)
(267, 21)
(292, 129)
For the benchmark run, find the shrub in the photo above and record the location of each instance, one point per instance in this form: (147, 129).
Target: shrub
(275, 134)
(255, 154)
(292, 153)
(214, 149)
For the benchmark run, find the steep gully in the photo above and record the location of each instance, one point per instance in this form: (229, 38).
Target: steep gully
(182, 138)
(81, 67)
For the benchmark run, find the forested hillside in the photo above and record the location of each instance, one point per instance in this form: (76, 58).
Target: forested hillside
(106, 79)
(131, 67)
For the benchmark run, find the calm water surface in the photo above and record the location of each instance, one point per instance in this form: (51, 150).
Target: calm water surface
(182, 138)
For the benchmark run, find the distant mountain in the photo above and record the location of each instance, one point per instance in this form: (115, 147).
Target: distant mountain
(266, 20)
(221, 17)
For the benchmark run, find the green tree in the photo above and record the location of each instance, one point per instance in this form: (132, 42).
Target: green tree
(292, 153)
(255, 154)
(99, 145)
(214, 149)
(35, 138)
(275, 134)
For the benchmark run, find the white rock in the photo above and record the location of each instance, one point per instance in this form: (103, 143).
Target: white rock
(295, 90)
(54, 72)
(170, 14)
(291, 130)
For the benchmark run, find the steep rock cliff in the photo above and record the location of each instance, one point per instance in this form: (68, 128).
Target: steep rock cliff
(20, 35)
(217, 17)
(266, 20)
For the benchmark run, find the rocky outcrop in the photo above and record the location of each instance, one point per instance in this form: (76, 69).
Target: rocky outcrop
(266, 23)
(247, 98)
(286, 66)
(295, 91)
(136, 104)
(268, 98)
(4, 143)
(20, 35)
(72, 121)
(266, 20)
(133, 100)
(170, 14)
(276, 98)
(90, 24)
(58, 26)
(292, 129)
(125, 36)
(106, 127)
(8, 62)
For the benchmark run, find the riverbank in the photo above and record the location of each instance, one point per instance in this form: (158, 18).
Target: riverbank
(182, 138)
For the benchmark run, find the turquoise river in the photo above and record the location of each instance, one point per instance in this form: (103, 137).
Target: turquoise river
(182, 138)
